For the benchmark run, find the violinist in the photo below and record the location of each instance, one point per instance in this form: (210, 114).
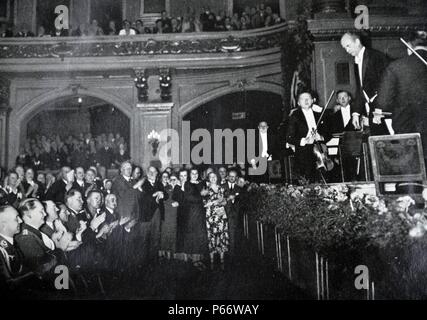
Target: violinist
(303, 132)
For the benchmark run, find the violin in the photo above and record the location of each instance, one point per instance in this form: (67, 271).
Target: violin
(320, 149)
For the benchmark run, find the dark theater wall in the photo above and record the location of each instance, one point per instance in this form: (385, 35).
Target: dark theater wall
(179, 7)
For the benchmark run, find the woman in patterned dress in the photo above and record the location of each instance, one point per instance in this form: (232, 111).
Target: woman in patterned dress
(216, 219)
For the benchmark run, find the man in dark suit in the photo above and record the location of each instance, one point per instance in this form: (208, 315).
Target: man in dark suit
(153, 210)
(369, 67)
(104, 156)
(402, 90)
(303, 131)
(265, 147)
(232, 208)
(37, 248)
(126, 192)
(57, 191)
(79, 183)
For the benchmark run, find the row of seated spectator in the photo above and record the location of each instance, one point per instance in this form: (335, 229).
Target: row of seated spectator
(41, 152)
(207, 21)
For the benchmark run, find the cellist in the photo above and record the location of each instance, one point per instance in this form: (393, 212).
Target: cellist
(303, 131)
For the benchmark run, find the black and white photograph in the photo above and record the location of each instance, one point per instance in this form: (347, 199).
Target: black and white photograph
(220, 152)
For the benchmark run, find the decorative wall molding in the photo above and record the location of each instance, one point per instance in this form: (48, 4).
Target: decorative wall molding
(333, 29)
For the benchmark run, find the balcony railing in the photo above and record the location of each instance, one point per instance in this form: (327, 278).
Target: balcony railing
(107, 46)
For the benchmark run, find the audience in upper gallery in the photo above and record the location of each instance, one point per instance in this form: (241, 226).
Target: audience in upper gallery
(41, 152)
(207, 21)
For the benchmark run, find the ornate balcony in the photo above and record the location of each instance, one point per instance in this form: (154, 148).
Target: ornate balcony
(163, 48)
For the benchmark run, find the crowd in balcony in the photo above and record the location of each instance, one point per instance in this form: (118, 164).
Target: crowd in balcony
(207, 21)
(53, 152)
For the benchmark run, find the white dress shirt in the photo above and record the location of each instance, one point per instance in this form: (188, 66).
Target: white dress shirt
(359, 61)
(345, 113)
(310, 119)
(264, 140)
(311, 123)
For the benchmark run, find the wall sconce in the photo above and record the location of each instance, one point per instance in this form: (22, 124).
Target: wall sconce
(154, 140)
(165, 84)
(141, 84)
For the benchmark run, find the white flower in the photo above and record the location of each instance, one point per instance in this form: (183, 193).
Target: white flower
(416, 232)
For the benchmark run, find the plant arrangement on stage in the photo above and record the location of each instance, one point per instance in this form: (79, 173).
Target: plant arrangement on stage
(331, 217)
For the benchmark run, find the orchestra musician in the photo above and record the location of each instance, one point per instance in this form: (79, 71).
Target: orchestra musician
(304, 130)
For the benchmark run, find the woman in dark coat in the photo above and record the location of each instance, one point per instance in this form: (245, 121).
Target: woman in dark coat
(192, 234)
(169, 224)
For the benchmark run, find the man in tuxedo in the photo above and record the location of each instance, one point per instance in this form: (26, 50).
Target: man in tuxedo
(126, 192)
(302, 132)
(265, 145)
(231, 193)
(57, 191)
(369, 67)
(340, 118)
(402, 90)
(339, 121)
(37, 248)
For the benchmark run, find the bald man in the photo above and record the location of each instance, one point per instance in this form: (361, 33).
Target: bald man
(369, 66)
(36, 246)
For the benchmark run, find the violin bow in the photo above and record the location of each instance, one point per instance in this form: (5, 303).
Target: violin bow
(413, 51)
(324, 109)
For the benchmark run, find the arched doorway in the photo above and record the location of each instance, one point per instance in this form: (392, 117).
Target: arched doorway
(237, 110)
(75, 122)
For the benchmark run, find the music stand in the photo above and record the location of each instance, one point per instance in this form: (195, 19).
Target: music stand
(351, 146)
(398, 165)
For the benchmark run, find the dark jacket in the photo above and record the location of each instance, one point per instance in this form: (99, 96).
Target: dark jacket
(127, 197)
(298, 129)
(149, 204)
(57, 191)
(271, 144)
(35, 252)
(373, 67)
(335, 122)
(402, 92)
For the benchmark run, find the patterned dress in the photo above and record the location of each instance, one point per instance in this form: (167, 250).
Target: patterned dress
(216, 222)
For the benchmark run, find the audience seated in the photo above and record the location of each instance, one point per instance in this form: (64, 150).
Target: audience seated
(208, 21)
(54, 152)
